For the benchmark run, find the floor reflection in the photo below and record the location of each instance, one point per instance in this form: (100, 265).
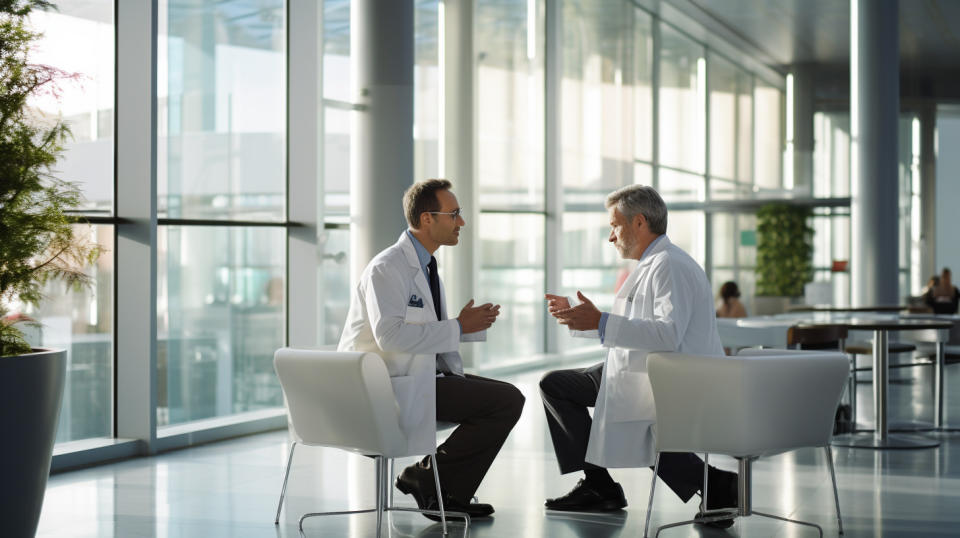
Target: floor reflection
(231, 488)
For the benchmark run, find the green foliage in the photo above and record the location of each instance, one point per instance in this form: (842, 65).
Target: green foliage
(37, 242)
(784, 249)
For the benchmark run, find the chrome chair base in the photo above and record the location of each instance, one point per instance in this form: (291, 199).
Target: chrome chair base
(745, 503)
(384, 493)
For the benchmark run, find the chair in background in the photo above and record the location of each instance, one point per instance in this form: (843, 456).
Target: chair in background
(760, 403)
(829, 337)
(345, 400)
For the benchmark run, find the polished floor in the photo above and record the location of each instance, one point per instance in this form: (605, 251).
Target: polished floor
(230, 488)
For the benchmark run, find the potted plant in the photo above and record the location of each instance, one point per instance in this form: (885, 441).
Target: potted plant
(784, 255)
(37, 245)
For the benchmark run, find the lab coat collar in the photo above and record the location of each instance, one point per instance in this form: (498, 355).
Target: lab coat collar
(658, 245)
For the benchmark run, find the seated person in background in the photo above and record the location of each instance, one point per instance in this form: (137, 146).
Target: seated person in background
(943, 297)
(730, 306)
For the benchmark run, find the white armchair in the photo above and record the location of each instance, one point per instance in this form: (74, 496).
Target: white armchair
(759, 403)
(346, 400)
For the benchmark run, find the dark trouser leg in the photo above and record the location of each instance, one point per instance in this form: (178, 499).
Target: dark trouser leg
(566, 396)
(682, 472)
(486, 410)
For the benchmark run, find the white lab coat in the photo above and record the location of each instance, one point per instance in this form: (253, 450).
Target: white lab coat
(392, 314)
(666, 304)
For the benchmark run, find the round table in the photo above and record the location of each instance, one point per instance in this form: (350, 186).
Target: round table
(881, 438)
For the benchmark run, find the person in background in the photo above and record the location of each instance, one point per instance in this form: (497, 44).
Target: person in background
(943, 297)
(730, 305)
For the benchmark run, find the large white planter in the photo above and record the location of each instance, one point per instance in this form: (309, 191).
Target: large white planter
(31, 388)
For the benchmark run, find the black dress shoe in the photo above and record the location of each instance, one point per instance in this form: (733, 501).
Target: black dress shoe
(721, 493)
(418, 482)
(474, 510)
(413, 480)
(586, 498)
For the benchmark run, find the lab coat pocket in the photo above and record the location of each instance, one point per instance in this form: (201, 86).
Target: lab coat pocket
(413, 406)
(415, 315)
(631, 399)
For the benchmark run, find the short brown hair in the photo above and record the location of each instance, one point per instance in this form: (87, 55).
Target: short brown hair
(421, 198)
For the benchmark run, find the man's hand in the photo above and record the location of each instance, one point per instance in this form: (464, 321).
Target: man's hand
(583, 317)
(477, 318)
(556, 303)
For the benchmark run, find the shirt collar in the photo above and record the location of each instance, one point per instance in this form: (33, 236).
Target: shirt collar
(422, 253)
(649, 248)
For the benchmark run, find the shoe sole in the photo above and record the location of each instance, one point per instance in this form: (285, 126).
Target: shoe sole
(605, 507)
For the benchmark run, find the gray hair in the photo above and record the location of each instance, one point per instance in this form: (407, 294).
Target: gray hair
(634, 200)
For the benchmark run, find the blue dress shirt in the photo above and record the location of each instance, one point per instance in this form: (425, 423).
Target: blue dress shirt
(424, 257)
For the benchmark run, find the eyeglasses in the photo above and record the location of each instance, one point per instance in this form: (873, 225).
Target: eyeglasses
(455, 213)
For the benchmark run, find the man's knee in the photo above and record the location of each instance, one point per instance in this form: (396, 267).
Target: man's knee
(513, 401)
(549, 383)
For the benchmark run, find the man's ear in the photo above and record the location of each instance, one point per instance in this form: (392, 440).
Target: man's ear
(639, 221)
(425, 218)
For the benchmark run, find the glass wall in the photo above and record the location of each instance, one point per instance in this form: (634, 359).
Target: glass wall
(221, 157)
(731, 128)
(510, 173)
(682, 109)
(78, 39)
(606, 125)
(832, 178)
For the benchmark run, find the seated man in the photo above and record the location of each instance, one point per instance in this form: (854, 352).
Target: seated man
(398, 311)
(665, 304)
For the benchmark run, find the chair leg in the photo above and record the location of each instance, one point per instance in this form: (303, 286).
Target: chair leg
(380, 471)
(286, 476)
(797, 521)
(436, 481)
(852, 393)
(833, 479)
(389, 482)
(653, 484)
(703, 499)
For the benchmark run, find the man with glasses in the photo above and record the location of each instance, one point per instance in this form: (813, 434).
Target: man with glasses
(398, 311)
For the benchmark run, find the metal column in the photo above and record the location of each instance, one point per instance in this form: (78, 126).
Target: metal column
(382, 152)
(874, 111)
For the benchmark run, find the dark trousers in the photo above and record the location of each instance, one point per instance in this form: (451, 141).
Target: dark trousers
(485, 411)
(566, 396)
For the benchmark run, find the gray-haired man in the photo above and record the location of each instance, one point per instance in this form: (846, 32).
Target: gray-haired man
(666, 304)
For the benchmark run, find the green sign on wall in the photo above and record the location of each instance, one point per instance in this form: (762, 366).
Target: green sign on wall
(748, 238)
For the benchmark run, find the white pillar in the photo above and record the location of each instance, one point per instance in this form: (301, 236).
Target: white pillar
(928, 191)
(382, 150)
(458, 152)
(553, 67)
(136, 211)
(304, 189)
(874, 113)
(802, 135)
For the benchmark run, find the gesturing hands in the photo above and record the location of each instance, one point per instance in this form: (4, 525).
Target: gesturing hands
(583, 317)
(477, 318)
